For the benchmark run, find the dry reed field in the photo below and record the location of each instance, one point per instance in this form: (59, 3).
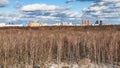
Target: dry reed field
(60, 47)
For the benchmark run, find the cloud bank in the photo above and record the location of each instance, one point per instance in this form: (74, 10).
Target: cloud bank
(49, 12)
(104, 9)
(80, 0)
(41, 12)
(3, 3)
(108, 10)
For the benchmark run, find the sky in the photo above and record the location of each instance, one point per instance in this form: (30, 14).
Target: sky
(52, 11)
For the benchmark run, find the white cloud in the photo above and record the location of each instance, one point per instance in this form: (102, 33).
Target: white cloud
(48, 12)
(3, 3)
(79, 0)
(118, 4)
(110, 0)
(97, 8)
(104, 9)
(43, 7)
(41, 12)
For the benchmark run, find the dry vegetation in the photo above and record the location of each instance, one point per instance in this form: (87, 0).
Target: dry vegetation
(41, 45)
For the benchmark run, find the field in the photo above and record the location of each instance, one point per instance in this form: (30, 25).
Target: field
(31, 47)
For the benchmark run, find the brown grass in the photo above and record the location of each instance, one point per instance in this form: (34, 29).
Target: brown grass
(41, 45)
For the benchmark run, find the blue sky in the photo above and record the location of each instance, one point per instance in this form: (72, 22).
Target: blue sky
(57, 10)
(76, 6)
